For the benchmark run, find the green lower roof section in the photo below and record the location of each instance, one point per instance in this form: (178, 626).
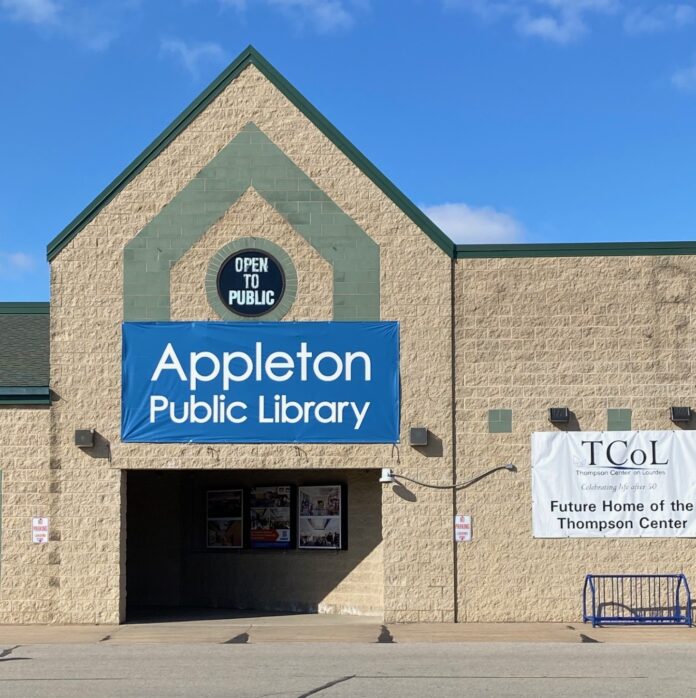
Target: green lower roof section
(575, 249)
(31, 395)
(25, 337)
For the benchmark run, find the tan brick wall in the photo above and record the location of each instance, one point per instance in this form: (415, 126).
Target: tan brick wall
(85, 365)
(589, 333)
(27, 570)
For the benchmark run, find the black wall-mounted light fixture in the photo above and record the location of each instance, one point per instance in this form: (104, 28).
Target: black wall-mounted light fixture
(84, 438)
(418, 436)
(680, 414)
(559, 415)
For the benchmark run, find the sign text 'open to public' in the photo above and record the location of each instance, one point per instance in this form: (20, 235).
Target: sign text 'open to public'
(251, 282)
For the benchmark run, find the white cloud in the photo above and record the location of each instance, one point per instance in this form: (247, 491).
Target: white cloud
(193, 55)
(93, 25)
(468, 224)
(659, 19)
(486, 9)
(38, 12)
(16, 264)
(560, 29)
(685, 79)
(566, 21)
(559, 21)
(323, 16)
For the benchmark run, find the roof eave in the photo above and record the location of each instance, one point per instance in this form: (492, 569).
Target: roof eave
(25, 395)
(31, 308)
(575, 249)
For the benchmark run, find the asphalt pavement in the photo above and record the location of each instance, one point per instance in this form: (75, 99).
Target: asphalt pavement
(340, 670)
(201, 653)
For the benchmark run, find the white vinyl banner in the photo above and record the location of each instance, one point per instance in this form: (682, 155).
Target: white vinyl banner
(614, 484)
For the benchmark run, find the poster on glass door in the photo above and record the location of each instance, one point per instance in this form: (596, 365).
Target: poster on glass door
(270, 517)
(320, 517)
(224, 519)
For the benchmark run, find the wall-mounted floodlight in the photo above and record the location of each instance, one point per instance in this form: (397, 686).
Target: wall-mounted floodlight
(84, 438)
(418, 436)
(680, 414)
(559, 415)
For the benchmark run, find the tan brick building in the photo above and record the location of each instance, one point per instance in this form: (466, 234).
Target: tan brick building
(490, 337)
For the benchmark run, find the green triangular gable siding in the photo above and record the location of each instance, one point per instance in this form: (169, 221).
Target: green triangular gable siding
(251, 160)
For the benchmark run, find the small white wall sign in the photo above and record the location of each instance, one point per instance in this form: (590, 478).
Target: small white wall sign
(39, 529)
(462, 528)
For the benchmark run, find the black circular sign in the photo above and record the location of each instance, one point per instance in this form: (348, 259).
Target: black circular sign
(251, 282)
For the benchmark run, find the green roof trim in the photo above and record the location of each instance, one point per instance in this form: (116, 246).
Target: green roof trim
(39, 308)
(25, 396)
(576, 249)
(250, 56)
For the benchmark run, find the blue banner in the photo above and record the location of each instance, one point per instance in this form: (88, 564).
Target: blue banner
(260, 382)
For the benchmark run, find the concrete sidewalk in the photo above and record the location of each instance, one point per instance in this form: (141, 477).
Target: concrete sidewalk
(249, 628)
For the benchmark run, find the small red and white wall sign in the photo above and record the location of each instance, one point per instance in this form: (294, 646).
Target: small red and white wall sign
(462, 529)
(39, 529)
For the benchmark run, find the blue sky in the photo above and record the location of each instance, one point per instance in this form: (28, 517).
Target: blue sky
(507, 120)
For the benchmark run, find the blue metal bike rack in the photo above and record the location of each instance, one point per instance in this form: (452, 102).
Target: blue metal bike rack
(645, 599)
